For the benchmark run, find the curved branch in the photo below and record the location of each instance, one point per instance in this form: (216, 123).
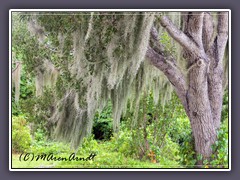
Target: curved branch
(172, 72)
(195, 27)
(179, 36)
(222, 36)
(154, 36)
(208, 34)
(158, 47)
(215, 76)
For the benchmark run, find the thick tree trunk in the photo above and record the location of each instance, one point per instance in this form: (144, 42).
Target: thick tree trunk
(199, 104)
(200, 112)
(202, 90)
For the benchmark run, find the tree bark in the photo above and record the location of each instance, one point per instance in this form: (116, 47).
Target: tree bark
(201, 91)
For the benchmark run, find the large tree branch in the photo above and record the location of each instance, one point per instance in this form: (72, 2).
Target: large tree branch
(158, 47)
(208, 34)
(215, 76)
(172, 72)
(180, 37)
(195, 27)
(155, 37)
(222, 36)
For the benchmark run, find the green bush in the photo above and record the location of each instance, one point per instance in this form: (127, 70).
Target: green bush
(225, 106)
(47, 147)
(181, 133)
(166, 133)
(123, 142)
(89, 145)
(21, 138)
(39, 135)
(41, 144)
(220, 148)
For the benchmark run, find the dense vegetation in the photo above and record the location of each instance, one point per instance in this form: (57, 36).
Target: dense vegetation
(164, 140)
(150, 135)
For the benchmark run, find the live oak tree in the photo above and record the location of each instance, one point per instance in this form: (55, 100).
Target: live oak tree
(201, 91)
(90, 58)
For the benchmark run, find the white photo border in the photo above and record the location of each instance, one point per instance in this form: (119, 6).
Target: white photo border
(117, 169)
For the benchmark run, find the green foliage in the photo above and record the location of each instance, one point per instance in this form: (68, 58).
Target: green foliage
(225, 106)
(123, 142)
(38, 110)
(106, 157)
(166, 133)
(168, 136)
(39, 136)
(23, 50)
(48, 147)
(220, 148)
(15, 107)
(25, 46)
(27, 86)
(27, 89)
(41, 144)
(181, 133)
(168, 152)
(166, 40)
(21, 138)
(89, 145)
(103, 124)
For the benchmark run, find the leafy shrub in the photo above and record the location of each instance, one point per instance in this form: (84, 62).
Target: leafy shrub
(39, 135)
(89, 145)
(102, 127)
(168, 151)
(15, 107)
(225, 106)
(220, 148)
(41, 144)
(166, 40)
(21, 138)
(47, 147)
(181, 133)
(123, 142)
(165, 135)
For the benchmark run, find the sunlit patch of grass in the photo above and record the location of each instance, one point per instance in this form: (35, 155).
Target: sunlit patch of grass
(106, 157)
(16, 163)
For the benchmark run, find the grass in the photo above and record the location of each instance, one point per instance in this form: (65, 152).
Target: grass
(106, 160)
(16, 163)
(106, 157)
